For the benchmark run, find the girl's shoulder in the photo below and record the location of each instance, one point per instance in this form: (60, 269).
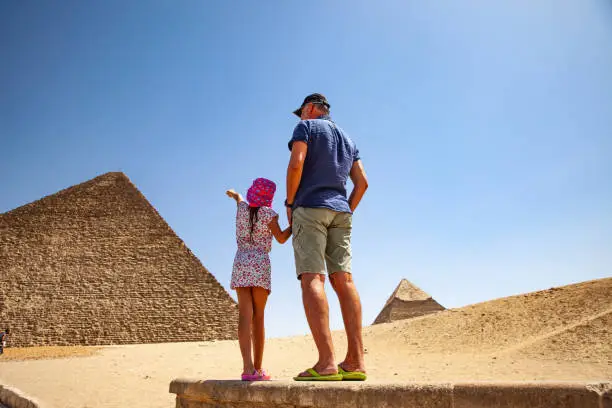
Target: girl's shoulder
(271, 211)
(267, 213)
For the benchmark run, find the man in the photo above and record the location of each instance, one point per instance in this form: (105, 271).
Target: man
(3, 337)
(323, 157)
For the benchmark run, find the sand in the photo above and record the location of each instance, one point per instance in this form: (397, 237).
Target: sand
(559, 334)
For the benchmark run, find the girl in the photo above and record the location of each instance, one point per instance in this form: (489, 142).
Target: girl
(256, 223)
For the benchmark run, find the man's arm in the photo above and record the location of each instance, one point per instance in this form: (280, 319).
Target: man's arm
(294, 172)
(360, 184)
(294, 169)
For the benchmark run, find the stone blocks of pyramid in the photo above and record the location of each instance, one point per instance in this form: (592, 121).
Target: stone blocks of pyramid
(95, 264)
(407, 301)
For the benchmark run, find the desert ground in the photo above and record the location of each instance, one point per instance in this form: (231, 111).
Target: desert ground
(557, 334)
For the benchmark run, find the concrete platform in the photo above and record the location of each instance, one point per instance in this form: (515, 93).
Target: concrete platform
(291, 394)
(13, 398)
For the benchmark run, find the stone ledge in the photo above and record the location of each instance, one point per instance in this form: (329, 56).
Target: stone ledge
(291, 394)
(13, 398)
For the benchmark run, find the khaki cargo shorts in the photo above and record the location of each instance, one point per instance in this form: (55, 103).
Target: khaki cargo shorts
(321, 236)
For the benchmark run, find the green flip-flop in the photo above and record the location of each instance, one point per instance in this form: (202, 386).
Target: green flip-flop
(351, 375)
(314, 376)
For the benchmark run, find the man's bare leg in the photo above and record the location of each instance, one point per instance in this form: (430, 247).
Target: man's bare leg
(317, 314)
(350, 304)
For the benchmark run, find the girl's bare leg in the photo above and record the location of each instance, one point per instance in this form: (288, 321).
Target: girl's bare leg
(260, 297)
(245, 307)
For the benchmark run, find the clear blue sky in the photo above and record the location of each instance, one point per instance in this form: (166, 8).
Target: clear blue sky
(485, 128)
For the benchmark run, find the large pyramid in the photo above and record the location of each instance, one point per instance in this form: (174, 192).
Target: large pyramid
(407, 301)
(96, 264)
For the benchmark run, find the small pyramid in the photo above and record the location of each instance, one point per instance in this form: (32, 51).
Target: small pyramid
(407, 301)
(96, 264)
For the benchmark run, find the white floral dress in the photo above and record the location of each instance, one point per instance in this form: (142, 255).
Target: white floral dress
(252, 262)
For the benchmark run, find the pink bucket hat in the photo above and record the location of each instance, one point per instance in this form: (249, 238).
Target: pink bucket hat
(261, 193)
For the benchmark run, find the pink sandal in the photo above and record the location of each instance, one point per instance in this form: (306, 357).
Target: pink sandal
(258, 375)
(250, 377)
(264, 375)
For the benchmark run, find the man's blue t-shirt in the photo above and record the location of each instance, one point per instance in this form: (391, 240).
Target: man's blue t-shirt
(330, 156)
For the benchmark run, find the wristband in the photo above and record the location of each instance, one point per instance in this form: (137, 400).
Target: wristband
(287, 204)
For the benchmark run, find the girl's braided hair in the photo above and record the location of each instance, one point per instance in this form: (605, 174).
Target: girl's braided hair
(253, 211)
